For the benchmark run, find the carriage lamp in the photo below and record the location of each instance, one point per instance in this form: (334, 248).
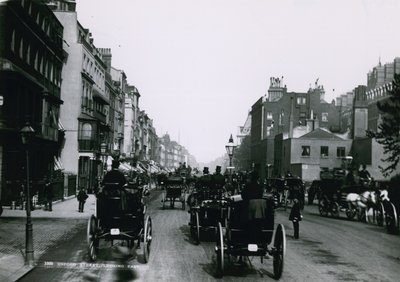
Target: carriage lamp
(27, 133)
(230, 149)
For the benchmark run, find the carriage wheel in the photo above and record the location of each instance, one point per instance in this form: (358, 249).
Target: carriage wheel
(220, 251)
(197, 229)
(391, 219)
(335, 210)
(91, 236)
(350, 212)
(147, 237)
(279, 251)
(322, 208)
(380, 215)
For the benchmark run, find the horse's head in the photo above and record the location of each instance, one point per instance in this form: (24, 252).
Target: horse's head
(384, 195)
(368, 197)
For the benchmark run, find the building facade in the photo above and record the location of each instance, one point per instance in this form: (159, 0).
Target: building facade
(279, 112)
(84, 114)
(31, 62)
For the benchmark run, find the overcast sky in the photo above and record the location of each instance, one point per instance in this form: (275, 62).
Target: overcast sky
(200, 65)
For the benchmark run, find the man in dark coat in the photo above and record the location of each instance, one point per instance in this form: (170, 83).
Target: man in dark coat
(254, 207)
(48, 194)
(82, 196)
(117, 178)
(205, 179)
(114, 175)
(217, 179)
(295, 216)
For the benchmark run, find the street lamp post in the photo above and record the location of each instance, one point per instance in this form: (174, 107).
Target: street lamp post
(27, 132)
(230, 148)
(103, 150)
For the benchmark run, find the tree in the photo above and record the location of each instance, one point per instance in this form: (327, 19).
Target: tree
(242, 154)
(388, 133)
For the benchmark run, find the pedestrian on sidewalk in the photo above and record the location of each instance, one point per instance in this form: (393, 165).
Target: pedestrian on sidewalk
(82, 196)
(48, 194)
(295, 216)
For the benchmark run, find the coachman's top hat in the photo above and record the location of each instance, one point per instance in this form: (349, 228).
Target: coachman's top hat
(205, 170)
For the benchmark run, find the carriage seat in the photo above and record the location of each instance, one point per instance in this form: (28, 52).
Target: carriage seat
(251, 221)
(115, 201)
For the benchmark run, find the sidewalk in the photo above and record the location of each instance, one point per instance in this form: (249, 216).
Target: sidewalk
(48, 228)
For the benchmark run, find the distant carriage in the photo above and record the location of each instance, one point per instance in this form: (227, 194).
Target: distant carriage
(285, 190)
(174, 191)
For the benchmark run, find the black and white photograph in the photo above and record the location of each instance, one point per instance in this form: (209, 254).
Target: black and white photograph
(199, 140)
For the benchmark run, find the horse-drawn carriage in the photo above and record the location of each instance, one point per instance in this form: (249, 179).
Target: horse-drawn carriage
(208, 206)
(175, 189)
(392, 208)
(120, 215)
(335, 195)
(285, 190)
(250, 234)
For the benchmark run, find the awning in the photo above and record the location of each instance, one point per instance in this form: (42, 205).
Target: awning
(125, 167)
(142, 166)
(58, 164)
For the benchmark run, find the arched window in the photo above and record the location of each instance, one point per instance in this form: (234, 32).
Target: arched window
(21, 48)
(28, 54)
(13, 41)
(36, 63)
(41, 65)
(86, 131)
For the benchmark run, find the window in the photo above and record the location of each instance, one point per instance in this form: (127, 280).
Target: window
(13, 41)
(41, 65)
(86, 131)
(36, 63)
(269, 115)
(325, 117)
(324, 151)
(21, 49)
(341, 152)
(305, 151)
(301, 100)
(28, 54)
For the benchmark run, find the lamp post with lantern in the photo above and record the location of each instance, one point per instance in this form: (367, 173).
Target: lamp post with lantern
(27, 133)
(230, 149)
(103, 150)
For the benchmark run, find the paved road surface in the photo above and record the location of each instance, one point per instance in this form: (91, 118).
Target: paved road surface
(328, 250)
